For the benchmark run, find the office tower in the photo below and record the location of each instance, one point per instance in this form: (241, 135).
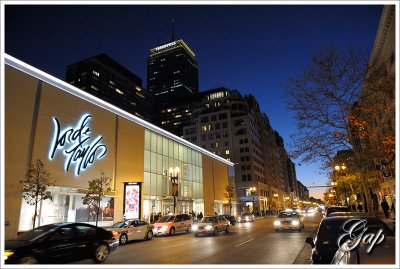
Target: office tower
(106, 79)
(172, 71)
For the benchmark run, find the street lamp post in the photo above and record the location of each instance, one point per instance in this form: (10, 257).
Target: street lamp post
(340, 169)
(173, 173)
(253, 192)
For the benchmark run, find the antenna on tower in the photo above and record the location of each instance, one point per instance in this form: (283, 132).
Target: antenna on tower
(173, 29)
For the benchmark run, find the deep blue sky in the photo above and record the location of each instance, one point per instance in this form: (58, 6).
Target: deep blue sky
(251, 48)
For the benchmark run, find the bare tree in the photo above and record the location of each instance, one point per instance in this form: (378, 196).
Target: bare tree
(322, 97)
(35, 186)
(98, 187)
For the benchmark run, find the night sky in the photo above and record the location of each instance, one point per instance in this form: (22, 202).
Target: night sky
(251, 48)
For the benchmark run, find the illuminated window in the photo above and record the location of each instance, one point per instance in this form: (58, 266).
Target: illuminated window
(96, 73)
(94, 87)
(112, 82)
(119, 91)
(227, 151)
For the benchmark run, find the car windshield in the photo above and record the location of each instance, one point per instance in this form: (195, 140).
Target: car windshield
(120, 224)
(35, 233)
(288, 215)
(168, 218)
(209, 219)
(337, 209)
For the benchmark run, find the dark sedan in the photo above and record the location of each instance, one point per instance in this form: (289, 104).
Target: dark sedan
(331, 229)
(60, 243)
(231, 219)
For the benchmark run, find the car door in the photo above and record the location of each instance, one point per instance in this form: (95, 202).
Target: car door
(179, 223)
(62, 245)
(138, 230)
(88, 238)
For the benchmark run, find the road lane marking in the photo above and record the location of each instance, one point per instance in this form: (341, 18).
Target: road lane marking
(245, 242)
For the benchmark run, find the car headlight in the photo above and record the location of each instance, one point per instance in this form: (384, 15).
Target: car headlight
(195, 228)
(208, 227)
(165, 227)
(295, 222)
(8, 253)
(247, 218)
(277, 223)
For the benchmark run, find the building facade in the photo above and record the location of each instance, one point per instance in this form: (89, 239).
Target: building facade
(78, 137)
(232, 126)
(106, 79)
(378, 95)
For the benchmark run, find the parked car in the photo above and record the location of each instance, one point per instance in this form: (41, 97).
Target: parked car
(289, 220)
(173, 223)
(246, 217)
(133, 229)
(211, 225)
(231, 219)
(60, 243)
(332, 209)
(382, 253)
(325, 243)
(351, 214)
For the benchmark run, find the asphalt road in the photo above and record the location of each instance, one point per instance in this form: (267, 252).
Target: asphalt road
(247, 243)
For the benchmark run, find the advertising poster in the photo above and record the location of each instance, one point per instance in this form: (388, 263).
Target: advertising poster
(132, 195)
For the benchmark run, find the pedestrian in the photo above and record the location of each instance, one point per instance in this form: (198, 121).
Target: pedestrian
(360, 207)
(385, 207)
(200, 216)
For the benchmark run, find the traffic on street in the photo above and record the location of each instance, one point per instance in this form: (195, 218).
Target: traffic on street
(254, 242)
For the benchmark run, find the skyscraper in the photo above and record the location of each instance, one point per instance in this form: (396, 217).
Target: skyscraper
(172, 79)
(172, 71)
(106, 79)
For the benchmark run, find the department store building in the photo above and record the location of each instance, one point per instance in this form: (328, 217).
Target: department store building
(78, 136)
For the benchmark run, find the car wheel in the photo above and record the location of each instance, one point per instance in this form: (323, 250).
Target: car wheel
(196, 235)
(123, 239)
(189, 229)
(101, 253)
(28, 259)
(149, 235)
(172, 231)
(227, 229)
(215, 231)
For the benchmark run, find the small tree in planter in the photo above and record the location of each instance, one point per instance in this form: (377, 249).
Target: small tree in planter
(35, 186)
(98, 187)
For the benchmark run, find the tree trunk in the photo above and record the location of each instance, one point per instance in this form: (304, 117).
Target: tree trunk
(34, 215)
(98, 211)
(369, 204)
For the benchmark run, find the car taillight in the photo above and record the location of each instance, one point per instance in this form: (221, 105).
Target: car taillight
(115, 234)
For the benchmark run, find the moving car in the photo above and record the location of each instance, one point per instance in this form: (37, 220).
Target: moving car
(246, 217)
(382, 253)
(289, 220)
(231, 219)
(173, 223)
(325, 243)
(133, 229)
(60, 243)
(211, 225)
(332, 209)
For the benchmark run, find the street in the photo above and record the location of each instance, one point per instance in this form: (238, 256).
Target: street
(246, 243)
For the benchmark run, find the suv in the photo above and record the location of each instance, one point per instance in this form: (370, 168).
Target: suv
(332, 209)
(173, 223)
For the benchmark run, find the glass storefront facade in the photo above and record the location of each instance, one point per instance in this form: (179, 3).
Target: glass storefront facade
(160, 155)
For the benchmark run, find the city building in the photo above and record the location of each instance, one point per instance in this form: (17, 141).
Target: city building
(378, 95)
(232, 126)
(151, 170)
(172, 79)
(106, 79)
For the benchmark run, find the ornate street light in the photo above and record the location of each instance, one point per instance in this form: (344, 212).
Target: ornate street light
(173, 173)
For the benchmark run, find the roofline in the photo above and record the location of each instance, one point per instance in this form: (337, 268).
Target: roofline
(62, 85)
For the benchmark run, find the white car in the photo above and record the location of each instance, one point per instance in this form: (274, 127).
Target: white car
(246, 217)
(173, 223)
